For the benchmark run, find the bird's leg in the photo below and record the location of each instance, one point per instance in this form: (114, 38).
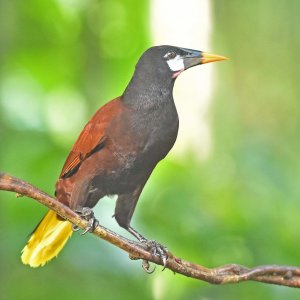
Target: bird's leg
(154, 247)
(87, 214)
(123, 212)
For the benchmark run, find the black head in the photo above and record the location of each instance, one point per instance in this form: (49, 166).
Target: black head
(156, 71)
(168, 61)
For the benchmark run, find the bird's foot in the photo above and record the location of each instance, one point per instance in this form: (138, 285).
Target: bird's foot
(153, 247)
(87, 214)
(156, 249)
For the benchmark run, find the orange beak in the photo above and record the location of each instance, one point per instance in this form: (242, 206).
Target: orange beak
(209, 57)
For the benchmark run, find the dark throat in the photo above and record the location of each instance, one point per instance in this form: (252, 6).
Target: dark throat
(147, 91)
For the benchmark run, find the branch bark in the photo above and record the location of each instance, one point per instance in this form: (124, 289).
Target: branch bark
(233, 273)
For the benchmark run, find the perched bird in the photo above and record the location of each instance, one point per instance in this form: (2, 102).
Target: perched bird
(117, 151)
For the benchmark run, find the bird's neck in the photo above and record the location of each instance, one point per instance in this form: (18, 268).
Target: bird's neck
(148, 92)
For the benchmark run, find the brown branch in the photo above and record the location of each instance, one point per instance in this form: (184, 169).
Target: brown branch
(280, 275)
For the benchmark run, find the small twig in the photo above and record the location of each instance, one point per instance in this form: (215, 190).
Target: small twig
(280, 275)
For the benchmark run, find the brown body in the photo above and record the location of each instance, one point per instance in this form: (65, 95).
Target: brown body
(117, 151)
(114, 156)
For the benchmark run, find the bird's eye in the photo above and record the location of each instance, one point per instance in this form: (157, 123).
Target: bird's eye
(171, 54)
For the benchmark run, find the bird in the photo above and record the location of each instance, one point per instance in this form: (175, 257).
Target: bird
(117, 151)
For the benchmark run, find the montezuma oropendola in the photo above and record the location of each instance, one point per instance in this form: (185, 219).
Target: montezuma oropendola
(117, 150)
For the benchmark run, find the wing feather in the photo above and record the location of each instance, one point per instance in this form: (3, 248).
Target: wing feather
(92, 138)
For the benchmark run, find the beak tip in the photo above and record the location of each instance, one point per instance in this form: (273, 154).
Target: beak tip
(209, 57)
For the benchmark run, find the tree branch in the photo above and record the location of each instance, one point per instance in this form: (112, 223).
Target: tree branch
(280, 275)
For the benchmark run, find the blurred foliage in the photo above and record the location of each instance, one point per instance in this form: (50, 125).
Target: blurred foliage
(60, 60)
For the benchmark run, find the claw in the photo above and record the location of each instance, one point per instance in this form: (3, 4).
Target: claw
(75, 228)
(153, 247)
(87, 214)
(146, 267)
(157, 249)
(85, 230)
(93, 223)
(164, 260)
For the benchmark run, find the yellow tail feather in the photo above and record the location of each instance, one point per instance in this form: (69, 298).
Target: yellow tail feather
(47, 240)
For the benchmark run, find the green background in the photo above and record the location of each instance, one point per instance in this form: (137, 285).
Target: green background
(61, 60)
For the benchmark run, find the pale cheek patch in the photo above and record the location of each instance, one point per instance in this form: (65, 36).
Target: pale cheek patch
(176, 64)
